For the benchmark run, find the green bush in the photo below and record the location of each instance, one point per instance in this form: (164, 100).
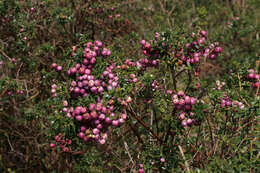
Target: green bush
(178, 98)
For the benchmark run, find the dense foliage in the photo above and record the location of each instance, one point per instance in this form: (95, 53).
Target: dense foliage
(129, 86)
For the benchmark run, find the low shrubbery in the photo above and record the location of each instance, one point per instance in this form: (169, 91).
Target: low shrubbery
(84, 88)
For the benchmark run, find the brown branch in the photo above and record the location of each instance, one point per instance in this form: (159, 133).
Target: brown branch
(136, 133)
(130, 110)
(37, 93)
(3, 92)
(256, 94)
(4, 54)
(185, 161)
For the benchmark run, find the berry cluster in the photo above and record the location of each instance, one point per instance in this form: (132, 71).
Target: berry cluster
(254, 78)
(133, 78)
(20, 92)
(187, 118)
(86, 82)
(225, 102)
(150, 52)
(61, 142)
(142, 64)
(184, 103)
(53, 90)
(219, 85)
(56, 67)
(191, 53)
(196, 50)
(95, 120)
(238, 104)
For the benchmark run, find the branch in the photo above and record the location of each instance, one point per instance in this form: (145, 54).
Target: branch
(136, 133)
(174, 78)
(185, 161)
(127, 151)
(130, 110)
(4, 54)
(189, 82)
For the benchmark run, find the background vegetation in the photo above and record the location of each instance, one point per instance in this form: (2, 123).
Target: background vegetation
(36, 33)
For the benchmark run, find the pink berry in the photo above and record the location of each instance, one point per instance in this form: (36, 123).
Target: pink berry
(107, 120)
(143, 42)
(189, 121)
(197, 85)
(251, 70)
(59, 68)
(95, 131)
(52, 145)
(218, 49)
(69, 142)
(79, 118)
(181, 93)
(65, 103)
(115, 123)
(182, 116)
(102, 141)
(193, 101)
(82, 128)
(66, 149)
(256, 85)
(81, 135)
(203, 33)
(141, 171)
(187, 99)
(162, 160)
(184, 123)
(13, 60)
(212, 56)
(53, 65)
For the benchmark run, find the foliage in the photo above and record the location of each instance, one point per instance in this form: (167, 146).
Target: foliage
(129, 86)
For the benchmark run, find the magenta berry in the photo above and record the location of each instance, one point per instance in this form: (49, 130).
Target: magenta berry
(184, 123)
(203, 33)
(218, 49)
(52, 145)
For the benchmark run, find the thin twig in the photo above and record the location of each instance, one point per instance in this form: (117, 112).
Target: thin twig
(12, 149)
(127, 151)
(4, 54)
(151, 126)
(185, 161)
(189, 81)
(3, 92)
(37, 93)
(211, 134)
(18, 71)
(240, 88)
(174, 78)
(256, 94)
